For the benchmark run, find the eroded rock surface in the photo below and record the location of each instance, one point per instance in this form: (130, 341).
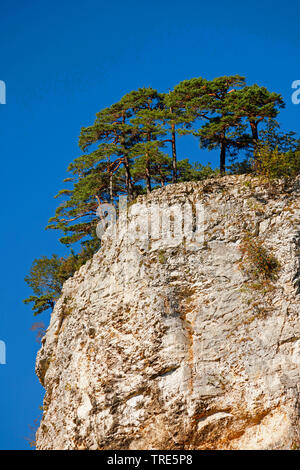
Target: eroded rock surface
(163, 345)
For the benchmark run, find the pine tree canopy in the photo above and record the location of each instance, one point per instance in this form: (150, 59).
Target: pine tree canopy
(131, 148)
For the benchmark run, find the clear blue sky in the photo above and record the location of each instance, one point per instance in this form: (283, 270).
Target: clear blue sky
(62, 61)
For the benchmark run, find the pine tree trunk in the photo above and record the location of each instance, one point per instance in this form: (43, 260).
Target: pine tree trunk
(128, 180)
(254, 130)
(174, 156)
(148, 177)
(222, 158)
(129, 185)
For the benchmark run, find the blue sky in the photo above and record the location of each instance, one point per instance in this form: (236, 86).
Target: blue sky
(62, 61)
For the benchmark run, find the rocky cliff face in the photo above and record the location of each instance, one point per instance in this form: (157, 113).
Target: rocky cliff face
(166, 342)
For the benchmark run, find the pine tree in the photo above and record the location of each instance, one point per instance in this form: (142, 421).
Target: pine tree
(256, 104)
(113, 129)
(179, 114)
(77, 216)
(174, 118)
(225, 132)
(207, 101)
(118, 136)
(149, 131)
(154, 166)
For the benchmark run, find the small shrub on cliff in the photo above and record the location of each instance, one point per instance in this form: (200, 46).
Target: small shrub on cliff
(47, 275)
(195, 171)
(258, 262)
(272, 164)
(44, 280)
(161, 257)
(295, 445)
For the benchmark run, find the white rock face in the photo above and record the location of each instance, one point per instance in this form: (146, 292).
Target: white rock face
(164, 344)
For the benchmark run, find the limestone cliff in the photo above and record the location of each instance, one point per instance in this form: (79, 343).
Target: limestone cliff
(164, 342)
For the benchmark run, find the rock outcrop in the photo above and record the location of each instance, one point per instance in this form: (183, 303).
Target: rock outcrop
(165, 342)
